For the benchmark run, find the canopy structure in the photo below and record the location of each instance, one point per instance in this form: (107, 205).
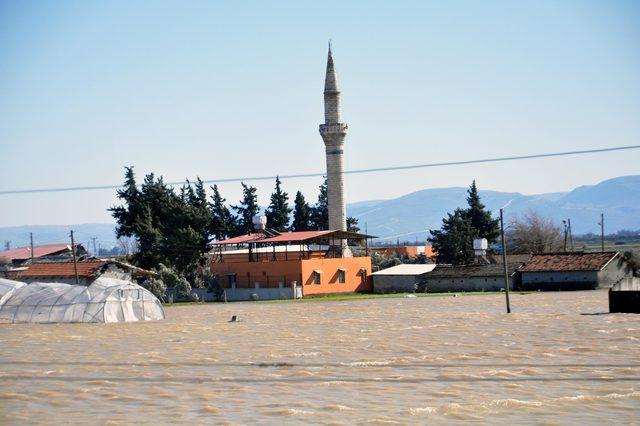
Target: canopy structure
(105, 300)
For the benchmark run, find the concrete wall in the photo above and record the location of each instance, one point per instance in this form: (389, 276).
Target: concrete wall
(240, 294)
(560, 280)
(442, 285)
(394, 283)
(614, 272)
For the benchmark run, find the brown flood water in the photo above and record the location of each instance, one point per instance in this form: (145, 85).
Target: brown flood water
(556, 359)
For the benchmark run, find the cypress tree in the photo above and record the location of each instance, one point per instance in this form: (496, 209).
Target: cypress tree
(222, 221)
(480, 218)
(301, 214)
(320, 212)
(453, 243)
(247, 209)
(278, 211)
(128, 214)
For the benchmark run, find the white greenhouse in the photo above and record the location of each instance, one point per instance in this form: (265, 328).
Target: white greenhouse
(105, 300)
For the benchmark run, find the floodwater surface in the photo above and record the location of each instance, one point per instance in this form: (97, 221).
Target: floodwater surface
(558, 358)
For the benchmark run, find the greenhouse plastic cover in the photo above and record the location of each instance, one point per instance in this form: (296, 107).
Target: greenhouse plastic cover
(105, 300)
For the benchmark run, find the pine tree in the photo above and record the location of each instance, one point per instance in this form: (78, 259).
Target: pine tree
(222, 221)
(278, 211)
(453, 243)
(320, 212)
(480, 218)
(247, 209)
(301, 214)
(128, 214)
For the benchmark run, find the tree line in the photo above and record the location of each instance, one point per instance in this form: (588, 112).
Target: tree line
(175, 228)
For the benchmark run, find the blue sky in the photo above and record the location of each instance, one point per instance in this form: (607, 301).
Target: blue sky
(231, 89)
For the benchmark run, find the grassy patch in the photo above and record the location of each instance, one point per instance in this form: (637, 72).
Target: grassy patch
(336, 297)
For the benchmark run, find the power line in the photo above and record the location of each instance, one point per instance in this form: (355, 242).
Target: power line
(357, 171)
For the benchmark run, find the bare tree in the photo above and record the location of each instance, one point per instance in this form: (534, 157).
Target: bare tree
(127, 245)
(533, 233)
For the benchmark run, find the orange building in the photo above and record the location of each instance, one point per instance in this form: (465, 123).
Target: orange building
(412, 251)
(258, 262)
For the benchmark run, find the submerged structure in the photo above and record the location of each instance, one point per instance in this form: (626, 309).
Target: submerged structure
(290, 265)
(105, 300)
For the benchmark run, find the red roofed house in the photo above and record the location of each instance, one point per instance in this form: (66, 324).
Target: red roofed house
(20, 255)
(573, 271)
(88, 271)
(267, 267)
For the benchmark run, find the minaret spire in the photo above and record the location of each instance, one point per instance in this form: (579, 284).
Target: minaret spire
(333, 132)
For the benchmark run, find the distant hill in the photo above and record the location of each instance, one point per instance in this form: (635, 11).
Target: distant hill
(408, 217)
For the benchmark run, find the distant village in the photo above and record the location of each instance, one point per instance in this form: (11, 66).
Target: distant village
(185, 247)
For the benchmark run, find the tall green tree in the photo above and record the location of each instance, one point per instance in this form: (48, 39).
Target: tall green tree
(130, 213)
(453, 243)
(301, 214)
(222, 221)
(480, 218)
(247, 209)
(169, 228)
(320, 212)
(278, 211)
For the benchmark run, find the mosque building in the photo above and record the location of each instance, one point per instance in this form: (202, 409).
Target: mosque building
(273, 265)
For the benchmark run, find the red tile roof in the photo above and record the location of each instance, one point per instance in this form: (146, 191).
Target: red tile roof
(62, 269)
(242, 238)
(24, 253)
(295, 236)
(568, 262)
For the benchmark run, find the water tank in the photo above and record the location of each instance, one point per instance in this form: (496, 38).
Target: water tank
(259, 222)
(480, 244)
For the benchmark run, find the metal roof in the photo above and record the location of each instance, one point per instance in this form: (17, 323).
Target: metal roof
(295, 237)
(24, 253)
(241, 239)
(408, 269)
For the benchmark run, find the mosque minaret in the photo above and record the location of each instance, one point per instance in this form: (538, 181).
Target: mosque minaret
(333, 132)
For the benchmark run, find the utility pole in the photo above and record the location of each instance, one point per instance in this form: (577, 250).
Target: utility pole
(564, 223)
(75, 262)
(95, 250)
(601, 232)
(570, 234)
(504, 263)
(31, 239)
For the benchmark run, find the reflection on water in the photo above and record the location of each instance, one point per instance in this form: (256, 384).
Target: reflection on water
(405, 360)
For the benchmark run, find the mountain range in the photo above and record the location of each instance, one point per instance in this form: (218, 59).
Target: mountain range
(410, 216)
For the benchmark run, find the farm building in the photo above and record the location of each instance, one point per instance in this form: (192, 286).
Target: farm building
(400, 278)
(51, 252)
(573, 271)
(476, 277)
(88, 271)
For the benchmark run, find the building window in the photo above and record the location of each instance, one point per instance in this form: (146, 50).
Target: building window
(316, 277)
(341, 276)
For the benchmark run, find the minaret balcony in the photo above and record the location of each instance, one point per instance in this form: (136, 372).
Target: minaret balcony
(333, 128)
